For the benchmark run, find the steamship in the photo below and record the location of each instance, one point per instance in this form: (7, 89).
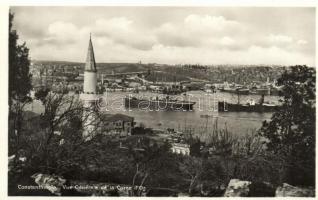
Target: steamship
(231, 107)
(250, 106)
(158, 104)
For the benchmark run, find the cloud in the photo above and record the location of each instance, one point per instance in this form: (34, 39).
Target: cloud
(119, 30)
(276, 55)
(62, 33)
(123, 31)
(169, 35)
(208, 23)
(280, 39)
(227, 41)
(198, 31)
(253, 54)
(302, 42)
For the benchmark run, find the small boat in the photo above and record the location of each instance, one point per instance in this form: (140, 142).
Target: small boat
(136, 90)
(209, 90)
(243, 91)
(261, 91)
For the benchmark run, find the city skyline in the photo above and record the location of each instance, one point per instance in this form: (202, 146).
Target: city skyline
(171, 35)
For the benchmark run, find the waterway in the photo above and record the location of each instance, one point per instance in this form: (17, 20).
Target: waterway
(201, 119)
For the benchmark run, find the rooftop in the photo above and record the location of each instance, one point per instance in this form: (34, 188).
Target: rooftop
(117, 117)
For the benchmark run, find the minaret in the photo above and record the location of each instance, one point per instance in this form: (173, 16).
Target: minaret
(89, 95)
(90, 74)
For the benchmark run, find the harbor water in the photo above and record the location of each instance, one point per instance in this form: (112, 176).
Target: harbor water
(201, 119)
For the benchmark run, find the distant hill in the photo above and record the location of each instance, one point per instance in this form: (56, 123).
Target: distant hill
(121, 67)
(50, 62)
(166, 77)
(240, 74)
(101, 67)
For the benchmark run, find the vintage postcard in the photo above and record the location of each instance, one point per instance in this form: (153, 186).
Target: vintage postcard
(161, 101)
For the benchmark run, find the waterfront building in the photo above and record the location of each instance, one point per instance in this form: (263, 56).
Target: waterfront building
(180, 148)
(117, 125)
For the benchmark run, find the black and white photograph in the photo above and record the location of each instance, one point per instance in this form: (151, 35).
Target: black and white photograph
(161, 101)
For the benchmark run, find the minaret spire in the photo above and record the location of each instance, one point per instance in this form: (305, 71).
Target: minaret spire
(90, 64)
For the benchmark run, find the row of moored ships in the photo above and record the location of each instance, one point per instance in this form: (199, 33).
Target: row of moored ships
(177, 105)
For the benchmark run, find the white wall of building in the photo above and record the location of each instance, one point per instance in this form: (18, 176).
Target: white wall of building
(183, 149)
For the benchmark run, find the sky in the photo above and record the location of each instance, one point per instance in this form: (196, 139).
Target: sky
(170, 35)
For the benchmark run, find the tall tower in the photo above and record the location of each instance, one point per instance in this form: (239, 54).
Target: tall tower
(90, 74)
(89, 95)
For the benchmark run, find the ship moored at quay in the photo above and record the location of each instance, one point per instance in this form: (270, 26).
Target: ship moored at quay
(231, 107)
(158, 104)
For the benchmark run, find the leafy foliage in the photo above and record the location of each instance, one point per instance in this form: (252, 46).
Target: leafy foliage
(291, 131)
(19, 86)
(19, 76)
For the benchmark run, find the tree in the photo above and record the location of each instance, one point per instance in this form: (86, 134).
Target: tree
(148, 159)
(63, 121)
(19, 85)
(291, 131)
(193, 170)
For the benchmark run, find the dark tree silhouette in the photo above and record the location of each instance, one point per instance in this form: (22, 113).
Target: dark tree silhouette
(291, 131)
(19, 84)
(19, 76)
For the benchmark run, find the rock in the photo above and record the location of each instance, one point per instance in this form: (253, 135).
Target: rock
(237, 188)
(62, 141)
(11, 162)
(11, 158)
(52, 183)
(261, 189)
(22, 159)
(291, 191)
(181, 194)
(16, 162)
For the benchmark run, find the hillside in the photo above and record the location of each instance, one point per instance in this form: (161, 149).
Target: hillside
(214, 73)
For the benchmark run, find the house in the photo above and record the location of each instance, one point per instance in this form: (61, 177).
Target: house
(117, 125)
(180, 148)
